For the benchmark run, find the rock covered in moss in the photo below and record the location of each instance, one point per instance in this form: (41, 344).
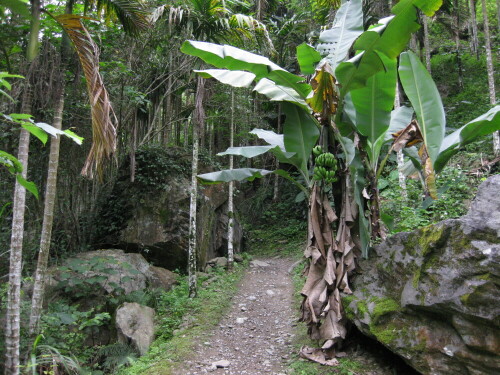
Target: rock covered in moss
(150, 215)
(432, 295)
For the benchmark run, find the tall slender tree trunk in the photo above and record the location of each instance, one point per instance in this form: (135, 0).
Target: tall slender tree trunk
(427, 47)
(474, 42)
(199, 123)
(48, 219)
(491, 72)
(456, 36)
(230, 208)
(400, 156)
(498, 16)
(276, 191)
(13, 316)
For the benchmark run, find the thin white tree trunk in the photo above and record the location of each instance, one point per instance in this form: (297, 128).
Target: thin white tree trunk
(48, 219)
(474, 42)
(276, 190)
(13, 316)
(199, 122)
(427, 47)
(230, 208)
(491, 72)
(456, 36)
(400, 156)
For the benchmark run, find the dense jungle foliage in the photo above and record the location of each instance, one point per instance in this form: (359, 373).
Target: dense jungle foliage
(152, 90)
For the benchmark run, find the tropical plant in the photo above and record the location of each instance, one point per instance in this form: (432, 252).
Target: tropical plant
(351, 99)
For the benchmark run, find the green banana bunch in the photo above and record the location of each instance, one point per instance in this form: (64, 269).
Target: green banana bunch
(317, 151)
(327, 160)
(326, 166)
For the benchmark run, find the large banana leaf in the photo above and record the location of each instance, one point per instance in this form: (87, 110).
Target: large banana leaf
(233, 78)
(300, 135)
(371, 107)
(307, 58)
(232, 58)
(388, 38)
(228, 175)
(246, 151)
(270, 137)
(336, 42)
(252, 151)
(400, 118)
(425, 99)
(359, 183)
(277, 92)
(482, 125)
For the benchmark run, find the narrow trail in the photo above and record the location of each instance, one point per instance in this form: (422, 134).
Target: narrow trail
(255, 335)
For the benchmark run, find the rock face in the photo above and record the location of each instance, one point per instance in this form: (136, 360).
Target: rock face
(151, 215)
(432, 296)
(135, 325)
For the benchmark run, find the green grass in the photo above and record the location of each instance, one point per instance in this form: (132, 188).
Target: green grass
(177, 335)
(287, 242)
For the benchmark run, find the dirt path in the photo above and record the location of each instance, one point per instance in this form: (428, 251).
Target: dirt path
(254, 337)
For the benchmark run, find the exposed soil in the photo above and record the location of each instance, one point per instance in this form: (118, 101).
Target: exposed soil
(255, 336)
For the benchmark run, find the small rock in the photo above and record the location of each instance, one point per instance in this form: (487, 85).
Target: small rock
(241, 320)
(212, 368)
(251, 298)
(243, 308)
(269, 292)
(218, 262)
(223, 363)
(258, 263)
(238, 258)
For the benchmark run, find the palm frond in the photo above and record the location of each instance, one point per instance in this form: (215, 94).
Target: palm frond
(104, 122)
(132, 14)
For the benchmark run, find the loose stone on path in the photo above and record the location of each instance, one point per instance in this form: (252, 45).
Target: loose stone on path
(255, 335)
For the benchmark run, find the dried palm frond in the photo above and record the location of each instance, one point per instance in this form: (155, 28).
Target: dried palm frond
(104, 122)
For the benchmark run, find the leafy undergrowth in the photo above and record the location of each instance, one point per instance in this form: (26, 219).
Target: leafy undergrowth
(273, 241)
(182, 321)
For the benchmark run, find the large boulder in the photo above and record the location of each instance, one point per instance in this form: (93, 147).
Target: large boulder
(151, 215)
(431, 295)
(135, 326)
(105, 272)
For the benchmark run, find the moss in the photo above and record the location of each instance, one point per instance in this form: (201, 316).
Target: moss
(429, 237)
(362, 307)
(416, 278)
(486, 276)
(464, 298)
(384, 334)
(346, 301)
(382, 307)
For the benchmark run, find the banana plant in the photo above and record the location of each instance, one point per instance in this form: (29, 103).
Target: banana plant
(345, 111)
